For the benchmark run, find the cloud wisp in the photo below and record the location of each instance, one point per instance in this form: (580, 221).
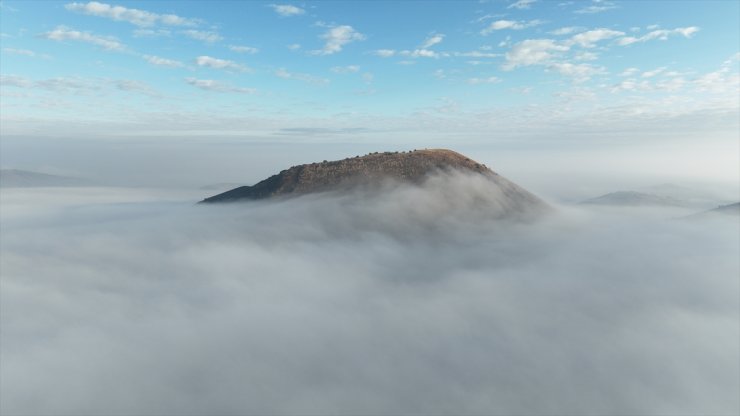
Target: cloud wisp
(661, 34)
(216, 63)
(509, 24)
(298, 76)
(63, 33)
(217, 86)
(134, 16)
(203, 35)
(159, 61)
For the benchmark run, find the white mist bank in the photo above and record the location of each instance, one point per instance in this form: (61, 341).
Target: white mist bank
(415, 302)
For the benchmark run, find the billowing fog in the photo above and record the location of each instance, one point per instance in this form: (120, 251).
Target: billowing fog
(410, 301)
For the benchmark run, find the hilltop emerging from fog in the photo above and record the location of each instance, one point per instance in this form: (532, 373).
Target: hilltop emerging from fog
(413, 167)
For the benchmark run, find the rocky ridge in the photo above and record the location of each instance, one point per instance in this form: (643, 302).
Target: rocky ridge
(410, 167)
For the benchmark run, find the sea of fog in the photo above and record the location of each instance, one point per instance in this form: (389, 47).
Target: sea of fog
(413, 301)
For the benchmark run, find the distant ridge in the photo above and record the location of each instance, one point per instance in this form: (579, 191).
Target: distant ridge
(722, 210)
(632, 198)
(408, 167)
(15, 178)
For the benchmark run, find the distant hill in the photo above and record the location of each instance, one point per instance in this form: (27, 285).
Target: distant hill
(729, 209)
(694, 197)
(373, 169)
(634, 199)
(14, 178)
(732, 210)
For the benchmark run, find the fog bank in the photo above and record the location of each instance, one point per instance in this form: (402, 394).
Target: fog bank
(416, 301)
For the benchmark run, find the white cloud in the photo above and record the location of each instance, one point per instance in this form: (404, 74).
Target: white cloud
(586, 56)
(62, 33)
(626, 85)
(597, 6)
(119, 13)
(68, 84)
(243, 49)
(532, 52)
(136, 86)
(413, 53)
(489, 80)
(627, 40)
(215, 63)
(477, 54)
(217, 86)
(629, 72)
(174, 20)
(724, 80)
(662, 34)
(287, 10)
(336, 37)
(654, 72)
(565, 30)
(384, 53)
(588, 39)
(488, 17)
(283, 73)
(432, 40)
(25, 52)
(294, 46)
(420, 53)
(77, 85)
(579, 72)
(15, 81)
(202, 35)
(159, 61)
(133, 16)
(345, 69)
(151, 33)
(509, 24)
(718, 82)
(671, 85)
(521, 4)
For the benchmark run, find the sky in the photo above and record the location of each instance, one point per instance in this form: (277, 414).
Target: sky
(130, 298)
(531, 75)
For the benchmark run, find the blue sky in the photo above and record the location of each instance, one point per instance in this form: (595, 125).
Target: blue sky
(478, 69)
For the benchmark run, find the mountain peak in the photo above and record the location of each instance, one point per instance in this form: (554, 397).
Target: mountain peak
(409, 167)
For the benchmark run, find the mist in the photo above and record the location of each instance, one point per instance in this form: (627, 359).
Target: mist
(558, 168)
(414, 300)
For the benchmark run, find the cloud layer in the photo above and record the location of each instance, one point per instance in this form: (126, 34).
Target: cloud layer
(415, 302)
